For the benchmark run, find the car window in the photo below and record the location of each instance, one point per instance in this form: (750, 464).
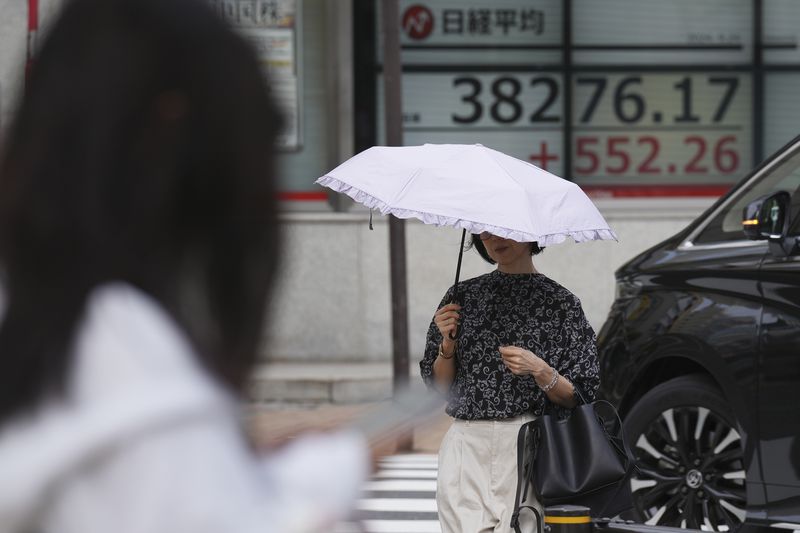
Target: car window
(726, 226)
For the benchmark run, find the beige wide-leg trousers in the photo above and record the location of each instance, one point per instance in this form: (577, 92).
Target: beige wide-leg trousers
(478, 477)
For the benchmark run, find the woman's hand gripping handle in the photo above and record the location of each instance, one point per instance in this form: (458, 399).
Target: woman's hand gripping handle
(447, 320)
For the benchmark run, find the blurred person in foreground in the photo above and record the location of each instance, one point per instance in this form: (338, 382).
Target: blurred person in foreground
(138, 244)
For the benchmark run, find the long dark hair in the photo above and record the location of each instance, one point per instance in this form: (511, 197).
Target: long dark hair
(141, 152)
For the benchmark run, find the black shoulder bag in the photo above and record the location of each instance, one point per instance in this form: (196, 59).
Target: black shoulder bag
(579, 460)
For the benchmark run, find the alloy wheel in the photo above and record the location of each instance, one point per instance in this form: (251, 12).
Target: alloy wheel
(691, 471)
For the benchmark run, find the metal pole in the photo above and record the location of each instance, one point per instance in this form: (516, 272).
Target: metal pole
(392, 85)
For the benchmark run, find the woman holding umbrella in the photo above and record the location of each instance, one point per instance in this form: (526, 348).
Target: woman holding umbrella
(524, 341)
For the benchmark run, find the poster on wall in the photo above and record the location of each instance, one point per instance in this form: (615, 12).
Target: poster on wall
(272, 27)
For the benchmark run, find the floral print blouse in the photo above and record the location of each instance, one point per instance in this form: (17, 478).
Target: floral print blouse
(526, 310)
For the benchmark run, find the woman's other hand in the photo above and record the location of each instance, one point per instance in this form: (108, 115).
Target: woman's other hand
(447, 320)
(521, 362)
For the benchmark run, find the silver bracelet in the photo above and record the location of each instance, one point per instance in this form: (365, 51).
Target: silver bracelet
(547, 388)
(442, 355)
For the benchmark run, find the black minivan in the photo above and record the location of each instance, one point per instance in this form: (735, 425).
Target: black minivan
(701, 354)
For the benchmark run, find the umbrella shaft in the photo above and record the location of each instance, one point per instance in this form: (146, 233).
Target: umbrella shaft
(456, 295)
(458, 267)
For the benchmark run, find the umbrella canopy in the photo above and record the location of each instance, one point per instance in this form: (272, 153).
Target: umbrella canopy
(472, 187)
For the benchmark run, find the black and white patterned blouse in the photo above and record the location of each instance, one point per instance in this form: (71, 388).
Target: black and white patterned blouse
(526, 310)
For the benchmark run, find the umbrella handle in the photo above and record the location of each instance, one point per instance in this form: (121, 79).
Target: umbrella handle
(454, 335)
(456, 299)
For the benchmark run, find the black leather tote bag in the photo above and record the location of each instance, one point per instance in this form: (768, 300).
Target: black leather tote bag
(581, 459)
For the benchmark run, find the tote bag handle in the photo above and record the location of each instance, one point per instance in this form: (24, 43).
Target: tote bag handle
(522, 479)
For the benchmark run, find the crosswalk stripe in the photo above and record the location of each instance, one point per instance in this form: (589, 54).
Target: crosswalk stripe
(402, 526)
(410, 461)
(401, 485)
(408, 465)
(397, 504)
(365, 516)
(421, 465)
(367, 495)
(430, 457)
(399, 498)
(406, 474)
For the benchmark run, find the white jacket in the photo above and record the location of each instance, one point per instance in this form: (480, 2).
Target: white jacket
(148, 442)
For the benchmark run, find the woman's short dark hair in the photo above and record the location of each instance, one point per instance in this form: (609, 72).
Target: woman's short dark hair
(141, 152)
(477, 243)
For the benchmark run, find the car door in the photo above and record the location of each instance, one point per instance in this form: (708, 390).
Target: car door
(779, 380)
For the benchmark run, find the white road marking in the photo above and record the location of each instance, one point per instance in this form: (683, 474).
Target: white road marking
(401, 485)
(406, 474)
(402, 526)
(423, 505)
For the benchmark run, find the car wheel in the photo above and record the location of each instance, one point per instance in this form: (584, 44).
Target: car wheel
(690, 457)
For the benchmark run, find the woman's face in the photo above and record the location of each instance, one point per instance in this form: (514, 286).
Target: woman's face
(506, 252)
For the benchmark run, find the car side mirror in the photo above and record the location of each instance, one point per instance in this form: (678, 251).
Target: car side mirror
(767, 217)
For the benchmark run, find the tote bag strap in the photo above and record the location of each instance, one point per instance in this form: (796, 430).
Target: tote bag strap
(515, 521)
(550, 406)
(522, 479)
(618, 441)
(621, 446)
(579, 394)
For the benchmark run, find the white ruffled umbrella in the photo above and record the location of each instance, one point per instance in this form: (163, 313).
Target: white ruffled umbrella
(472, 187)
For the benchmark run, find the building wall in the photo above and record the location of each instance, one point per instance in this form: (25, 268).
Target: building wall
(14, 47)
(332, 299)
(13, 31)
